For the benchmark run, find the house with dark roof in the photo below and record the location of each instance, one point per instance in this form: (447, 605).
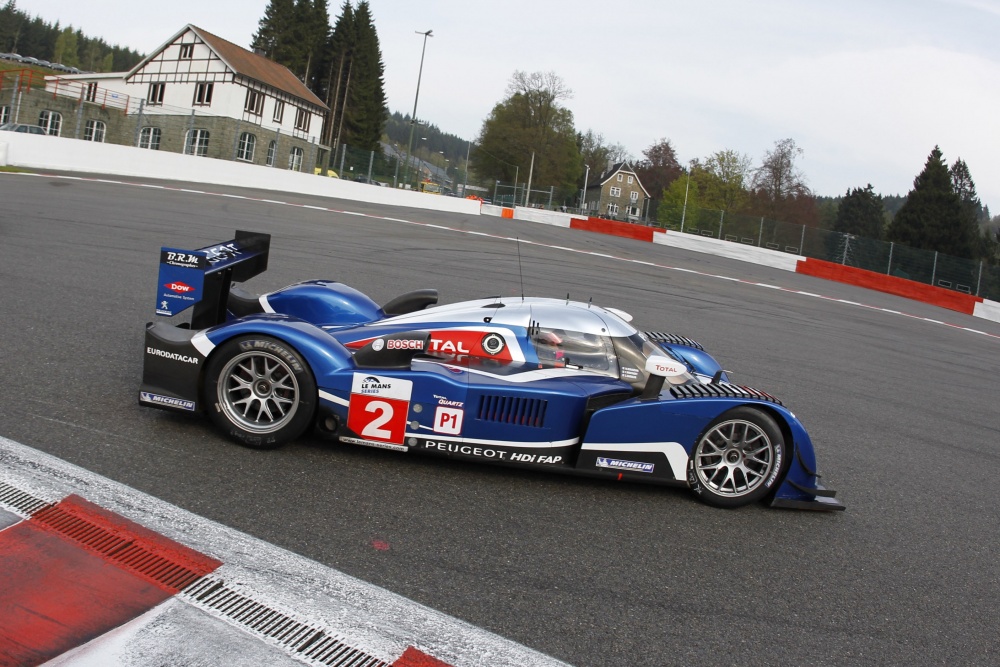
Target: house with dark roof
(200, 94)
(616, 193)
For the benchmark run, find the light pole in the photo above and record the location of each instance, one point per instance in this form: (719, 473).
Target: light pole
(686, 187)
(465, 187)
(413, 118)
(583, 199)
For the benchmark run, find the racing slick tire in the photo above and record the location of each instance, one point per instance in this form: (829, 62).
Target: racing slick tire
(739, 458)
(260, 391)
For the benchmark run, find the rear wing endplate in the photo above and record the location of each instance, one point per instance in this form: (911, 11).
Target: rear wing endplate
(201, 278)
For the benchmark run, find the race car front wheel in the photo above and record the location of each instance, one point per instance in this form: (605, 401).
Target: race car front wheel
(260, 391)
(738, 459)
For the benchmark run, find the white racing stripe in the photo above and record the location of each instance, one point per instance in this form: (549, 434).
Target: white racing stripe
(189, 630)
(511, 444)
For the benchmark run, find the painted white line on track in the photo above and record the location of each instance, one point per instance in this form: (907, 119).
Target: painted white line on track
(187, 631)
(515, 239)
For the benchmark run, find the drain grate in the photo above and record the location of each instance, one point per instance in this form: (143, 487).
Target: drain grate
(305, 641)
(126, 544)
(18, 501)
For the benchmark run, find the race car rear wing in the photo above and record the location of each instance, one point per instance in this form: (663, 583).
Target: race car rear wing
(202, 278)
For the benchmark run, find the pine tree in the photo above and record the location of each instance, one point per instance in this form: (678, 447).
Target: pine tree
(972, 207)
(366, 107)
(931, 218)
(338, 58)
(274, 31)
(861, 213)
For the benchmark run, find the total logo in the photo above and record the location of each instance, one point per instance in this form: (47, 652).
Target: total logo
(470, 343)
(179, 287)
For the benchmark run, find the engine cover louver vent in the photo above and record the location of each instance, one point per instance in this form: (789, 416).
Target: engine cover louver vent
(673, 339)
(513, 410)
(720, 390)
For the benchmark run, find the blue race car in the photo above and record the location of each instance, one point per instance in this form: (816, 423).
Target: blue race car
(528, 382)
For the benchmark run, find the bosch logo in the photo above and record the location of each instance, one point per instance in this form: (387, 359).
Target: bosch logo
(378, 344)
(493, 343)
(179, 287)
(404, 344)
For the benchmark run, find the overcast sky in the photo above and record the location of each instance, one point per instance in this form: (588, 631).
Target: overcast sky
(866, 88)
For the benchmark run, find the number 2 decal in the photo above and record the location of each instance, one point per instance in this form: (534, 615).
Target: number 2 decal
(374, 428)
(379, 407)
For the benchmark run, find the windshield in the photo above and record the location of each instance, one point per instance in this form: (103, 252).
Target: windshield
(633, 351)
(562, 348)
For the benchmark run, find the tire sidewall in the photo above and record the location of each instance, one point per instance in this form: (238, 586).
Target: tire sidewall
(781, 455)
(307, 392)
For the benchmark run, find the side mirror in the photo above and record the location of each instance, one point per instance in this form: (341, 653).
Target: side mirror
(660, 368)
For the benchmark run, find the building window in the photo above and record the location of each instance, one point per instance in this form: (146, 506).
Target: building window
(246, 146)
(612, 209)
(4, 115)
(302, 120)
(196, 142)
(50, 121)
(94, 131)
(272, 148)
(149, 137)
(91, 93)
(254, 103)
(156, 93)
(630, 179)
(616, 192)
(633, 211)
(633, 196)
(619, 178)
(279, 111)
(187, 51)
(295, 159)
(203, 94)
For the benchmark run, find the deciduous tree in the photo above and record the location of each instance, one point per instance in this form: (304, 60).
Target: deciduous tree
(725, 188)
(531, 120)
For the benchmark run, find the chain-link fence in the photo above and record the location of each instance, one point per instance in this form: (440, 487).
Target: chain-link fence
(926, 266)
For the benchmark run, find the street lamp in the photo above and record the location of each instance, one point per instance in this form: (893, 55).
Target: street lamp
(413, 118)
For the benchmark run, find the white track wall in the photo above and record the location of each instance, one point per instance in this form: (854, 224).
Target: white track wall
(75, 155)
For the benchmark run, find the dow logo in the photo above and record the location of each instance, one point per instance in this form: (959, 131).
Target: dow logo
(179, 287)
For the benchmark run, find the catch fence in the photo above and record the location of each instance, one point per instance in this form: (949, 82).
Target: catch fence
(976, 277)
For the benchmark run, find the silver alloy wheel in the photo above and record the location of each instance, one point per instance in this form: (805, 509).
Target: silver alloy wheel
(734, 458)
(258, 392)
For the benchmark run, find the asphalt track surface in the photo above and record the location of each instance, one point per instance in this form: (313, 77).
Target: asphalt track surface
(903, 412)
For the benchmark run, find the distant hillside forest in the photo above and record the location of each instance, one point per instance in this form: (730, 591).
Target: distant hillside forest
(27, 36)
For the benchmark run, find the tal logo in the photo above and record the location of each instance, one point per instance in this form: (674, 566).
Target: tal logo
(179, 287)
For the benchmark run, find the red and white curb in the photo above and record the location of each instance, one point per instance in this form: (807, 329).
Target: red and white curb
(96, 573)
(783, 261)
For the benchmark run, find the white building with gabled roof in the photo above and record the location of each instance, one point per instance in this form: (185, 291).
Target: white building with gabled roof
(207, 96)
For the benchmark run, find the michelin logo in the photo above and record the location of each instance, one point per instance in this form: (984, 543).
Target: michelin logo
(620, 464)
(147, 397)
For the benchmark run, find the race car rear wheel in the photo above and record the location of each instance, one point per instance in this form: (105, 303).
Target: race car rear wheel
(260, 391)
(738, 459)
